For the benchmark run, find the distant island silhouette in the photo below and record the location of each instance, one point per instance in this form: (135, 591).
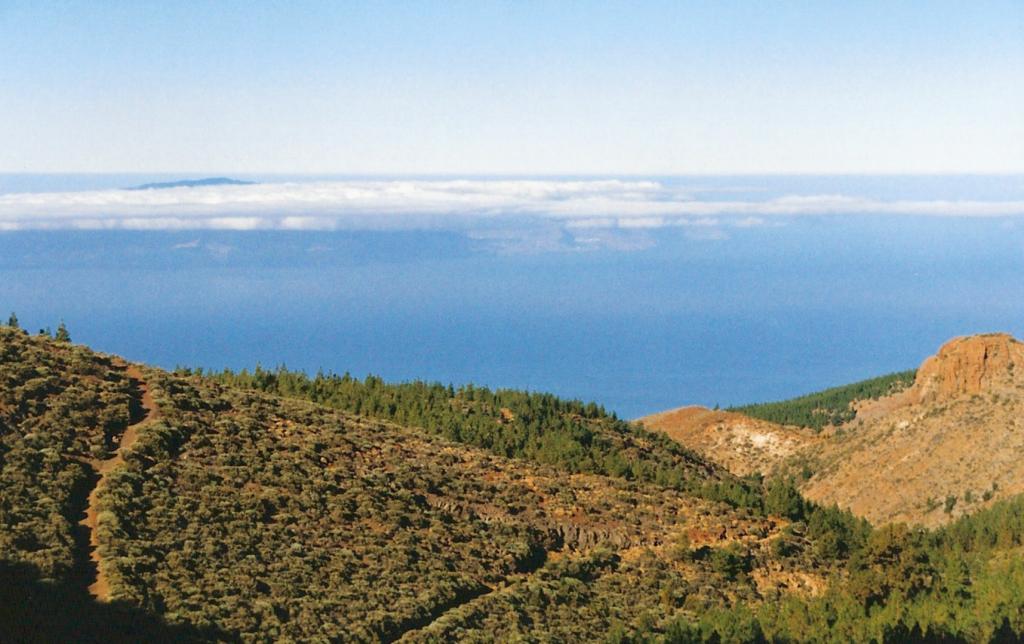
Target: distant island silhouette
(193, 183)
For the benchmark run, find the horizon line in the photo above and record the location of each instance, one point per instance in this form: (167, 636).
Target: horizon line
(445, 174)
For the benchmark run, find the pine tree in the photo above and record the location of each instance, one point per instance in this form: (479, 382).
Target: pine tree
(783, 499)
(62, 333)
(13, 321)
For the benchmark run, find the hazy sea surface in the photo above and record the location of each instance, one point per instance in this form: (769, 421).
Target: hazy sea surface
(708, 313)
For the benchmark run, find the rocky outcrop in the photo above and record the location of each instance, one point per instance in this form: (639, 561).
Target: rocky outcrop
(581, 537)
(556, 533)
(970, 365)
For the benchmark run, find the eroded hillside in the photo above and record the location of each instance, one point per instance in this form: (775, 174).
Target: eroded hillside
(744, 445)
(949, 445)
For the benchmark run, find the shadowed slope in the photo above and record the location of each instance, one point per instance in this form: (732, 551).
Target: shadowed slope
(34, 610)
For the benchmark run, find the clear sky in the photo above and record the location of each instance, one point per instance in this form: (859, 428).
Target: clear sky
(516, 87)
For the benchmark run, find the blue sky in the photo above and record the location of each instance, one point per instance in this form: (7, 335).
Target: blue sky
(522, 88)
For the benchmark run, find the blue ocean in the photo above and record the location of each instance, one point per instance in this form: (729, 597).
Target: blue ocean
(647, 318)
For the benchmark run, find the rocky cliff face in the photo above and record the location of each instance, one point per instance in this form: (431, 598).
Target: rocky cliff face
(970, 365)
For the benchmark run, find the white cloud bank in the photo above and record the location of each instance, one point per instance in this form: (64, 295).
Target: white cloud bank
(384, 204)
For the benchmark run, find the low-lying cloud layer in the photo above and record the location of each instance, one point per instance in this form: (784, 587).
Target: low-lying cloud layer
(462, 204)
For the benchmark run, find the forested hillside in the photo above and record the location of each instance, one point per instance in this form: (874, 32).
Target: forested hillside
(274, 506)
(569, 434)
(828, 407)
(278, 518)
(964, 582)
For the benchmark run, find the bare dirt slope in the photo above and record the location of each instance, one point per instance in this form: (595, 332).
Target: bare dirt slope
(742, 444)
(947, 446)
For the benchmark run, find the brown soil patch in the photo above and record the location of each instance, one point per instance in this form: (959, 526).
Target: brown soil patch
(742, 444)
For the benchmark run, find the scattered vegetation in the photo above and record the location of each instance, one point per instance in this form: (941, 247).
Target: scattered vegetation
(60, 406)
(275, 518)
(260, 506)
(960, 583)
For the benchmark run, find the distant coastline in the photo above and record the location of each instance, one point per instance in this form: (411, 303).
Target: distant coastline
(192, 183)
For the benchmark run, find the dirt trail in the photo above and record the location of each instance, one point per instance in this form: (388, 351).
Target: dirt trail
(413, 628)
(143, 410)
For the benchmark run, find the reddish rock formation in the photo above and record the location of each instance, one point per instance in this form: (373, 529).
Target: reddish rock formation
(970, 365)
